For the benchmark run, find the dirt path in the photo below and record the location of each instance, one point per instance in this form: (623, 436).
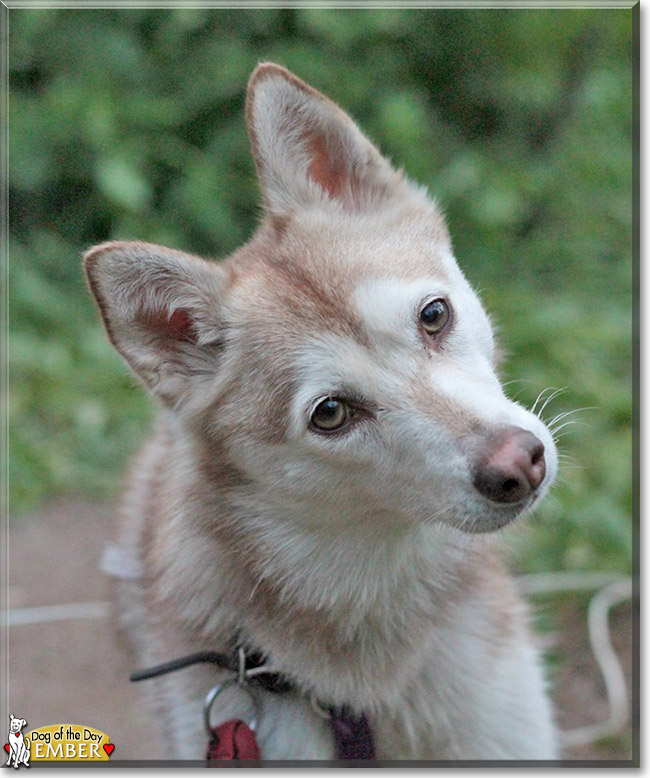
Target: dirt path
(76, 671)
(72, 671)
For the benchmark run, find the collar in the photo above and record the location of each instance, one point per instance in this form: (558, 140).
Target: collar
(351, 732)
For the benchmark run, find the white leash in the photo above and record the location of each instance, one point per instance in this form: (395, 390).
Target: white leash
(612, 591)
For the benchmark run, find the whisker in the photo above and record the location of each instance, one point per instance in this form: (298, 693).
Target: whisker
(539, 397)
(556, 438)
(552, 396)
(550, 424)
(569, 462)
(433, 517)
(518, 381)
(568, 424)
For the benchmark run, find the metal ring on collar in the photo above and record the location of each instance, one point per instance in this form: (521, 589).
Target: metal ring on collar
(212, 695)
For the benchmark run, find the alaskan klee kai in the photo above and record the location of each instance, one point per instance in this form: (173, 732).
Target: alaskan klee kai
(332, 447)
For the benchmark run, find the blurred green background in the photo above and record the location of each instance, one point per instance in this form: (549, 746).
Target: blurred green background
(129, 124)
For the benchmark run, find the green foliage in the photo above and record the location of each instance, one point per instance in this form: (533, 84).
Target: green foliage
(129, 124)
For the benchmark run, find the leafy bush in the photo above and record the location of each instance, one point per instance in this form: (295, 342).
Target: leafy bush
(129, 124)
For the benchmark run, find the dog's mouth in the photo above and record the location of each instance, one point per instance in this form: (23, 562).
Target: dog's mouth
(496, 516)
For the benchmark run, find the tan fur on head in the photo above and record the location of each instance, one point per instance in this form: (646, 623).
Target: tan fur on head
(352, 558)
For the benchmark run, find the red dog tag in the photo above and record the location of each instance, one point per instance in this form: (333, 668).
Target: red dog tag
(232, 740)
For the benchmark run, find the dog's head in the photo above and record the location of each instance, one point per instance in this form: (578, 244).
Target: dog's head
(15, 725)
(340, 362)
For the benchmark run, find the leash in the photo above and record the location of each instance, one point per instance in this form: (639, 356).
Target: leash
(235, 739)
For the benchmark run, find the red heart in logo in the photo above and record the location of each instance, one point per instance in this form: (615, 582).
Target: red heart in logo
(109, 747)
(7, 749)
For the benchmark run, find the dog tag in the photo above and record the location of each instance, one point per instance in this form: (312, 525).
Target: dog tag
(233, 739)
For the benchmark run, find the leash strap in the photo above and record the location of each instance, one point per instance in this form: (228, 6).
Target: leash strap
(272, 682)
(224, 661)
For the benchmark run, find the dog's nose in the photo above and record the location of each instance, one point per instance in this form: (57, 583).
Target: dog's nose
(512, 469)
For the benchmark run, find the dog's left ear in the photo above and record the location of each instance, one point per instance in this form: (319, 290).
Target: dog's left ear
(309, 152)
(162, 311)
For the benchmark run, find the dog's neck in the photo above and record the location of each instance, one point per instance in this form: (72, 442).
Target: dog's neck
(322, 594)
(349, 567)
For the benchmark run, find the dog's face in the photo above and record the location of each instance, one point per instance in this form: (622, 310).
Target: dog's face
(15, 725)
(340, 362)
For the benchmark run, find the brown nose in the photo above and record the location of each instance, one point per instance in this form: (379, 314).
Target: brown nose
(512, 469)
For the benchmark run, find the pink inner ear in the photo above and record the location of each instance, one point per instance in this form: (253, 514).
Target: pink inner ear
(324, 170)
(178, 326)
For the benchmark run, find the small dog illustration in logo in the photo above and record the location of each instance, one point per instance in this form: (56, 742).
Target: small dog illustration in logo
(18, 743)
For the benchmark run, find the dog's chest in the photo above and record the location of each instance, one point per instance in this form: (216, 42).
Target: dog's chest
(290, 729)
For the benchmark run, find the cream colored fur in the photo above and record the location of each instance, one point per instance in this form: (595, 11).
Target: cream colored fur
(359, 563)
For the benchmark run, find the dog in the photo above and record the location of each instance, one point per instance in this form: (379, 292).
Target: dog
(19, 746)
(332, 453)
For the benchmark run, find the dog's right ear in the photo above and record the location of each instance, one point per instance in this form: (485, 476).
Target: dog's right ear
(309, 152)
(161, 309)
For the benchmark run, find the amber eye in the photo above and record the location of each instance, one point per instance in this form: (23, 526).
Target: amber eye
(330, 414)
(435, 316)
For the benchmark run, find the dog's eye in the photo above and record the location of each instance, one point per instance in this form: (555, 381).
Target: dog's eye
(435, 316)
(330, 414)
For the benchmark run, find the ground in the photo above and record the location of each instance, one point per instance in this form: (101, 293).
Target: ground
(76, 671)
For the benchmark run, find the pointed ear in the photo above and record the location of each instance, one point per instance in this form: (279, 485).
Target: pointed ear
(308, 151)
(161, 309)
